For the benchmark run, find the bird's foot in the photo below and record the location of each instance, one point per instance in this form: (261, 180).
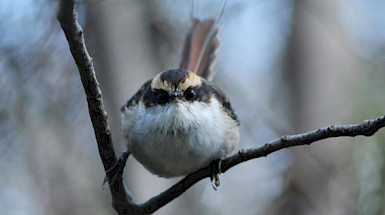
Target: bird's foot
(116, 170)
(215, 169)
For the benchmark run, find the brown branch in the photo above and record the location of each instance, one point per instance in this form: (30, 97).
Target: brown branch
(66, 16)
(366, 128)
(122, 199)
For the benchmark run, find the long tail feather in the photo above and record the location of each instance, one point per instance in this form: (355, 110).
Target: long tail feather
(200, 45)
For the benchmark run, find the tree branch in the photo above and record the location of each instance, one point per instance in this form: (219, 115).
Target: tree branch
(365, 128)
(122, 199)
(66, 16)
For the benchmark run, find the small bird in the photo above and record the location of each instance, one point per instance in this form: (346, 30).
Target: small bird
(178, 122)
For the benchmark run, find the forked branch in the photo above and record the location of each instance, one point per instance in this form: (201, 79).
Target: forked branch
(122, 199)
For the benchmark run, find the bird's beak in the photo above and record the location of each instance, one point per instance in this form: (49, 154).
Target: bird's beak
(174, 95)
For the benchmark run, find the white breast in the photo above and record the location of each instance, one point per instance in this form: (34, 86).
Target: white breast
(177, 139)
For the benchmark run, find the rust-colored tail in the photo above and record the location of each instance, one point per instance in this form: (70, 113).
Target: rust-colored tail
(200, 45)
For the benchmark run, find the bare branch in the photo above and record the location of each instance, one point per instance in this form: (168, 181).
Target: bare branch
(366, 128)
(74, 34)
(122, 199)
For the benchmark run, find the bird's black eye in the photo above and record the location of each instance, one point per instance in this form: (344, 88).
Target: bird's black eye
(190, 94)
(162, 97)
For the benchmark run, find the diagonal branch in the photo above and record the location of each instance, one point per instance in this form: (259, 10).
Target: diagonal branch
(66, 15)
(122, 199)
(365, 128)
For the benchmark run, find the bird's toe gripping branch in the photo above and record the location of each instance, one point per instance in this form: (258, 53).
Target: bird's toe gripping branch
(215, 169)
(116, 171)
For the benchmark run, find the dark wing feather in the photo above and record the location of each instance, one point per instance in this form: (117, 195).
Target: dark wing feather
(134, 100)
(226, 104)
(206, 91)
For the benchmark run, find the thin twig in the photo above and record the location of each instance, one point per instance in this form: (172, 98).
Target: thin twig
(122, 199)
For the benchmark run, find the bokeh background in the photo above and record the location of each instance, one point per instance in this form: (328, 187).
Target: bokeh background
(288, 66)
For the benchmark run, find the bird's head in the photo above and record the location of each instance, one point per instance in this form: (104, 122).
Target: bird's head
(175, 85)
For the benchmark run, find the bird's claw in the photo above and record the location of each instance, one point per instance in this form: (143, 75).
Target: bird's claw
(116, 170)
(215, 169)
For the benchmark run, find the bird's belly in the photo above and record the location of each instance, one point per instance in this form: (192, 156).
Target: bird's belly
(172, 142)
(175, 155)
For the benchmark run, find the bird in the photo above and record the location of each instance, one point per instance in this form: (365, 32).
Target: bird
(178, 121)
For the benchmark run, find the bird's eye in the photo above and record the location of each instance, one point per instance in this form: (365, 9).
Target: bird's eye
(190, 94)
(162, 97)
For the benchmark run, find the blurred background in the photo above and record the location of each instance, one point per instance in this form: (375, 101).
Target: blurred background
(288, 66)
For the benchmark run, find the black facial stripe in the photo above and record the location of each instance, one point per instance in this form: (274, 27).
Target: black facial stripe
(154, 97)
(161, 97)
(190, 93)
(204, 93)
(174, 76)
